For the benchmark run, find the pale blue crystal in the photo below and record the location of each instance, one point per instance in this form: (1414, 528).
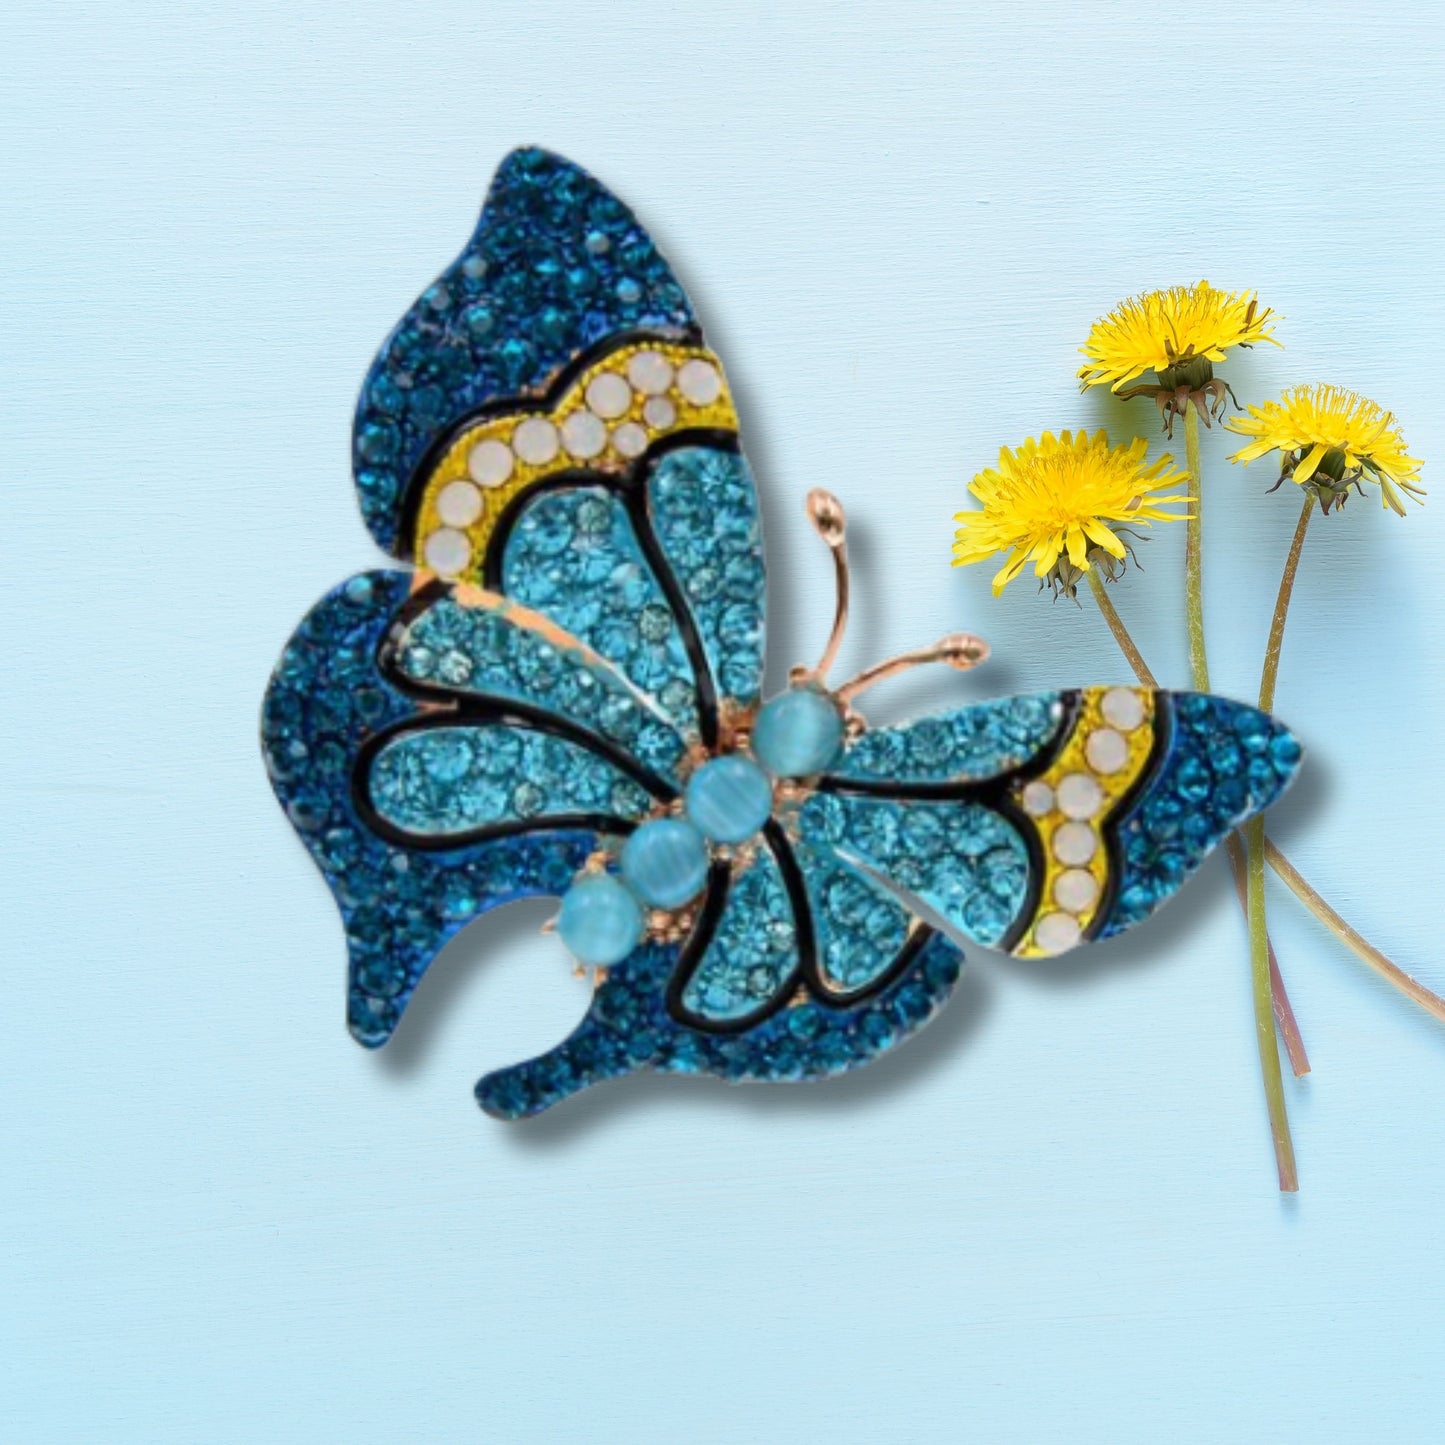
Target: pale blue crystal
(665, 862)
(574, 556)
(797, 733)
(729, 798)
(600, 922)
(967, 862)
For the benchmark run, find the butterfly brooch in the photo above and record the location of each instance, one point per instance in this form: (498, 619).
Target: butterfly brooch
(565, 699)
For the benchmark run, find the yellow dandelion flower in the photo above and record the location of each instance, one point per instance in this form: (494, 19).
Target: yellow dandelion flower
(1178, 334)
(1328, 437)
(1056, 501)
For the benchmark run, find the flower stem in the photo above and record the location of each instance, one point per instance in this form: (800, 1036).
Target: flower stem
(1121, 633)
(1283, 1012)
(1194, 557)
(1294, 1043)
(1261, 976)
(1270, 674)
(1432, 1003)
(1412, 989)
(1254, 832)
(1263, 1011)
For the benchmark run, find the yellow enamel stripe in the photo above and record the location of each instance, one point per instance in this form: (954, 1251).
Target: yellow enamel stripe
(455, 465)
(1050, 927)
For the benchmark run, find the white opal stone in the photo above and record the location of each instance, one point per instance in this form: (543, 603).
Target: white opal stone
(630, 439)
(659, 413)
(1038, 799)
(1123, 708)
(1057, 933)
(1075, 844)
(1075, 889)
(535, 441)
(490, 463)
(1080, 796)
(447, 552)
(459, 504)
(1106, 750)
(608, 394)
(584, 434)
(699, 382)
(650, 372)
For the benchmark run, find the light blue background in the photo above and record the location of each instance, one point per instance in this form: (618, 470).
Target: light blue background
(1051, 1218)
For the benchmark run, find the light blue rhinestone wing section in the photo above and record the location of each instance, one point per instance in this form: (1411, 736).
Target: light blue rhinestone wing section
(751, 960)
(704, 510)
(433, 784)
(556, 265)
(984, 740)
(965, 862)
(860, 929)
(573, 555)
(480, 645)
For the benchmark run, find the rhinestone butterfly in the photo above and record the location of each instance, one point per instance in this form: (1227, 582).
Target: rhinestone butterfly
(564, 699)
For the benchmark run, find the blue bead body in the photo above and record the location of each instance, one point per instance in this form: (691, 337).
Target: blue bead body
(729, 798)
(798, 733)
(600, 922)
(665, 862)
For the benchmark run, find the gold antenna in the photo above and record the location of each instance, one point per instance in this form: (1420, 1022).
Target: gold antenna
(830, 522)
(960, 650)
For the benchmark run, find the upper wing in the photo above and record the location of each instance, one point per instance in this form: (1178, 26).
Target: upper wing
(1033, 824)
(548, 422)
(547, 436)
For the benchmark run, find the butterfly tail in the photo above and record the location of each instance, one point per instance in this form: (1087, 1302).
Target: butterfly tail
(629, 1028)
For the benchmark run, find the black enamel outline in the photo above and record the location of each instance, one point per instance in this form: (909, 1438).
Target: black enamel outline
(535, 402)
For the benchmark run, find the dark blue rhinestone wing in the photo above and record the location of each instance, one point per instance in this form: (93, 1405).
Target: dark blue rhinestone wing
(631, 1026)
(1217, 763)
(413, 851)
(557, 264)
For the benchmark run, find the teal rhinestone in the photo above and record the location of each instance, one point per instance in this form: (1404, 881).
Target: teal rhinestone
(600, 922)
(729, 798)
(798, 733)
(665, 862)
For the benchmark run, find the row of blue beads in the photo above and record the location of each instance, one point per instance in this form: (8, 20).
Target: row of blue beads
(665, 862)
